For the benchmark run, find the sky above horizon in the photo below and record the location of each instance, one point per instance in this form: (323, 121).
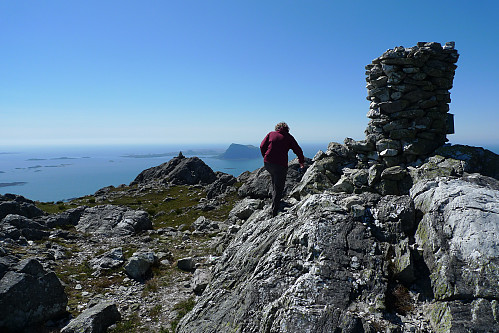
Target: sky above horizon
(169, 72)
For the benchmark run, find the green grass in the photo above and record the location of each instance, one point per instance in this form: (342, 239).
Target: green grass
(155, 311)
(182, 309)
(179, 211)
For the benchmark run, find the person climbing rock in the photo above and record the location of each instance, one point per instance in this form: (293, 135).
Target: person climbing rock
(274, 149)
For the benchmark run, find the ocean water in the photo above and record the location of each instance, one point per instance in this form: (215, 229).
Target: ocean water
(62, 173)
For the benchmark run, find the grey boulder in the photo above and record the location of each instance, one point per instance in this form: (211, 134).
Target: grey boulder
(292, 273)
(459, 237)
(244, 208)
(30, 296)
(108, 260)
(258, 184)
(19, 205)
(139, 265)
(109, 220)
(94, 320)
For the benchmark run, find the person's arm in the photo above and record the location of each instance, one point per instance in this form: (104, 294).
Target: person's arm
(264, 145)
(298, 151)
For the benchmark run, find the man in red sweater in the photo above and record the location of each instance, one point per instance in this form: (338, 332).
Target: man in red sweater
(274, 148)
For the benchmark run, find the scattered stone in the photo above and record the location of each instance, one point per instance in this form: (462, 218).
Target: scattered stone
(187, 264)
(200, 280)
(108, 260)
(203, 224)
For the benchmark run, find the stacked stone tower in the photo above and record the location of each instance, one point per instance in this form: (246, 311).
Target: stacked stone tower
(409, 93)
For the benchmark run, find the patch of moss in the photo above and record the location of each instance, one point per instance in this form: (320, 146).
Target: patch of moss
(441, 317)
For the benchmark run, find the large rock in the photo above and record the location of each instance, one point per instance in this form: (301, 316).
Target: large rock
(14, 226)
(30, 296)
(475, 159)
(67, 218)
(220, 186)
(202, 224)
(459, 235)
(19, 205)
(179, 170)
(394, 218)
(94, 320)
(298, 272)
(140, 264)
(109, 220)
(244, 208)
(259, 184)
(200, 280)
(315, 180)
(108, 260)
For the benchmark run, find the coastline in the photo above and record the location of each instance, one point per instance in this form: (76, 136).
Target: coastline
(62, 173)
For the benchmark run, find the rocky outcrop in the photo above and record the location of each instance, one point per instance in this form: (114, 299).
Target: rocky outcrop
(19, 228)
(326, 170)
(29, 296)
(112, 220)
(104, 220)
(178, 170)
(472, 159)
(71, 217)
(299, 272)
(459, 236)
(245, 208)
(258, 184)
(18, 205)
(220, 186)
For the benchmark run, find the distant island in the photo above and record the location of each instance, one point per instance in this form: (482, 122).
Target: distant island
(234, 152)
(190, 152)
(240, 152)
(12, 184)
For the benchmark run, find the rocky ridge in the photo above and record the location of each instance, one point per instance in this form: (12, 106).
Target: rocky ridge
(360, 245)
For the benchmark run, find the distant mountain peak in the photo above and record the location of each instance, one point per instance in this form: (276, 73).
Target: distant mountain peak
(240, 152)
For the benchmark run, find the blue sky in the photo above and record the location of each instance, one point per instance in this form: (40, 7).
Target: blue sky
(167, 72)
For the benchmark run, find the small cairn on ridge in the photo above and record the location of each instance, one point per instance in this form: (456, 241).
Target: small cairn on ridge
(409, 93)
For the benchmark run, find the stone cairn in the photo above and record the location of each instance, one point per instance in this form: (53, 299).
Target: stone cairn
(409, 93)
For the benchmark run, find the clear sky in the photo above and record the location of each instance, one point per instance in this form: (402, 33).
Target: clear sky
(167, 72)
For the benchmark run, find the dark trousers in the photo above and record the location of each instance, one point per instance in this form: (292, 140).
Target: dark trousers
(278, 174)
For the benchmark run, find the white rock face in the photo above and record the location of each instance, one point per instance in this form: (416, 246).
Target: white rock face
(459, 235)
(470, 213)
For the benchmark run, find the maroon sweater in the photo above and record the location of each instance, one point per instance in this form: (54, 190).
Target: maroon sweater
(275, 146)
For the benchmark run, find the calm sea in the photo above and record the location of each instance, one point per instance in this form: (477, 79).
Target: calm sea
(62, 173)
